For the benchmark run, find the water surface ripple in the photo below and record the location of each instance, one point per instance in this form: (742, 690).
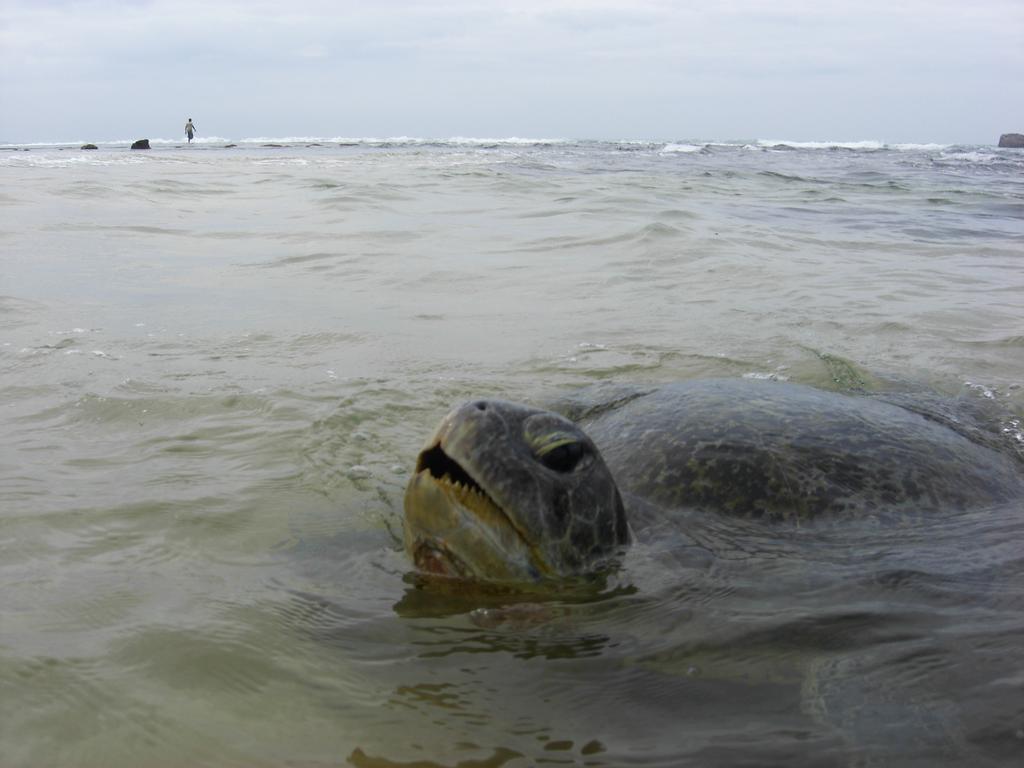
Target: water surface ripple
(217, 365)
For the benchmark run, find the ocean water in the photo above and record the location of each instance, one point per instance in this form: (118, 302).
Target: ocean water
(217, 365)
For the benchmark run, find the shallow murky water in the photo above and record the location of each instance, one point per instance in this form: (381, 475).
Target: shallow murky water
(218, 365)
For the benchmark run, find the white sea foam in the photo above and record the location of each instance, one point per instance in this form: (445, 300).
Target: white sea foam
(67, 159)
(510, 140)
(44, 144)
(471, 141)
(970, 156)
(183, 140)
(982, 390)
(299, 140)
(858, 145)
(682, 149)
(765, 376)
(1014, 430)
(918, 147)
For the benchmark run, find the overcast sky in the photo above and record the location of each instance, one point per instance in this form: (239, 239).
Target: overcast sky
(918, 71)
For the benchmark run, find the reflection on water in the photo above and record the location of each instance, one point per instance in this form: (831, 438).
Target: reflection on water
(835, 646)
(211, 401)
(829, 645)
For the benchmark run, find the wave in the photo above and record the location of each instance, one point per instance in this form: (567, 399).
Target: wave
(856, 145)
(968, 155)
(977, 153)
(870, 145)
(918, 147)
(686, 149)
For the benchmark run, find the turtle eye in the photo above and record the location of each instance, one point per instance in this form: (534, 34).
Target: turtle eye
(564, 457)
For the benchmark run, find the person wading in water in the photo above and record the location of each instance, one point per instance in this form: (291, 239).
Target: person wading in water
(190, 130)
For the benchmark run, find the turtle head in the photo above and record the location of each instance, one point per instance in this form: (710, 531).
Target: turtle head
(504, 492)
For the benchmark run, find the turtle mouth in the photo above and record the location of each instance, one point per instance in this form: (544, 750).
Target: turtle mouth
(454, 527)
(456, 481)
(442, 467)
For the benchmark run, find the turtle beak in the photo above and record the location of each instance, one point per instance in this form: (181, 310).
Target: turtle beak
(453, 527)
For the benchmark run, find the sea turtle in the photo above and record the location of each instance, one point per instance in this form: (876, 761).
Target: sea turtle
(507, 492)
(841, 553)
(853, 549)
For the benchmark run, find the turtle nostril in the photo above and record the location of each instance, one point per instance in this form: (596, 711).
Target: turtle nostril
(480, 405)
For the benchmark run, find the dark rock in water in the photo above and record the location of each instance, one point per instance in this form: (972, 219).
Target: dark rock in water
(141, 144)
(278, 146)
(1012, 140)
(89, 146)
(229, 146)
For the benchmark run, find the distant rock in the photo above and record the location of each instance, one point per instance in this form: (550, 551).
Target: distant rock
(89, 146)
(1012, 140)
(277, 146)
(230, 146)
(141, 144)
